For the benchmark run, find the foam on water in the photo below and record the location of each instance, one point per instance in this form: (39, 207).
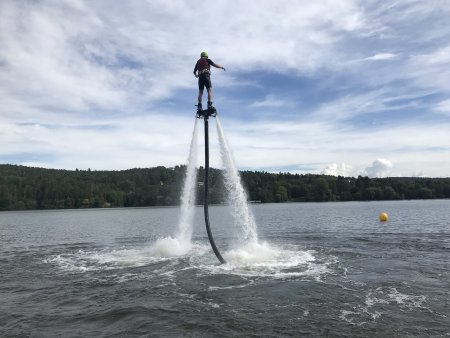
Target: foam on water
(265, 260)
(164, 249)
(84, 261)
(393, 296)
(251, 260)
(377, 301)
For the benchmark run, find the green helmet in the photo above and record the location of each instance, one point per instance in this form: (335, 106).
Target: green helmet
(204, 54)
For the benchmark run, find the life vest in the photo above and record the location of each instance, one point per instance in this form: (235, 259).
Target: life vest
(203, 66)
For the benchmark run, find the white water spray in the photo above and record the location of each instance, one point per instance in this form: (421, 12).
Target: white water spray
(181, 244)
(237, 197)
(185, 224)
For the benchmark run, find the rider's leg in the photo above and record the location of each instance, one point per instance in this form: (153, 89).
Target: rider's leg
(210, 94)
(210, 98)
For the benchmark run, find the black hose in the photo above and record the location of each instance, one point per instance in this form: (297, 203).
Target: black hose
(205, 205)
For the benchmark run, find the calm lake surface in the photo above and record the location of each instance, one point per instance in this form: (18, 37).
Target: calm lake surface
(319, 269)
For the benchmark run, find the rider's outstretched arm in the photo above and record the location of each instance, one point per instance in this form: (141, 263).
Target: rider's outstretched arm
(218, 66)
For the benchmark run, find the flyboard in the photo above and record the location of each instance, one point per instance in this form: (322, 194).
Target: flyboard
(205, 115)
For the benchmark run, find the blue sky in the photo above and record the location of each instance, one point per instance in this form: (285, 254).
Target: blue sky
(336, 87)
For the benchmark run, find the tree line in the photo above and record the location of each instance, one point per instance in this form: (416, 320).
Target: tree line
(26, 188)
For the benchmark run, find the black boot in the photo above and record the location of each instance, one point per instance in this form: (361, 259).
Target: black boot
(199, 107)
(210, 106)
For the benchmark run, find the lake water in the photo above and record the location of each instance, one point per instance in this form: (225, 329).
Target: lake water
(320, 269)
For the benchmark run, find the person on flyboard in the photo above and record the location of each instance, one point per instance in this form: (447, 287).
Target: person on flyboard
(202, 71)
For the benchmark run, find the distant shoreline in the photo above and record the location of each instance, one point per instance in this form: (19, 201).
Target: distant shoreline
(27, 188)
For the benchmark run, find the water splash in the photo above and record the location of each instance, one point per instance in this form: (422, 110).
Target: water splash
(181, 244)
(237, 197)
(170, 247)
(185, 224)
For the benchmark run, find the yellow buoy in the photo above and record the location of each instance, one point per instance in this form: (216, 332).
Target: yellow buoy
(383, 217)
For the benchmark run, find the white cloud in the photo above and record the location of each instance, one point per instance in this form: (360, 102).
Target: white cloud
(379, 168)
(341, 169)
(439, 56)
(43, 63)
(77, 54)
(443, 107)
(111, 144)
(283, 144)
(269, 101)
(99, 84)
(381, 56)
(430, 70)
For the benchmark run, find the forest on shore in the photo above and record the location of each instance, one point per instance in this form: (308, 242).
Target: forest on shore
(28, 188)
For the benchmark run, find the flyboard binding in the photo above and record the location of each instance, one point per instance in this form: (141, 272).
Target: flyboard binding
(205, 113)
